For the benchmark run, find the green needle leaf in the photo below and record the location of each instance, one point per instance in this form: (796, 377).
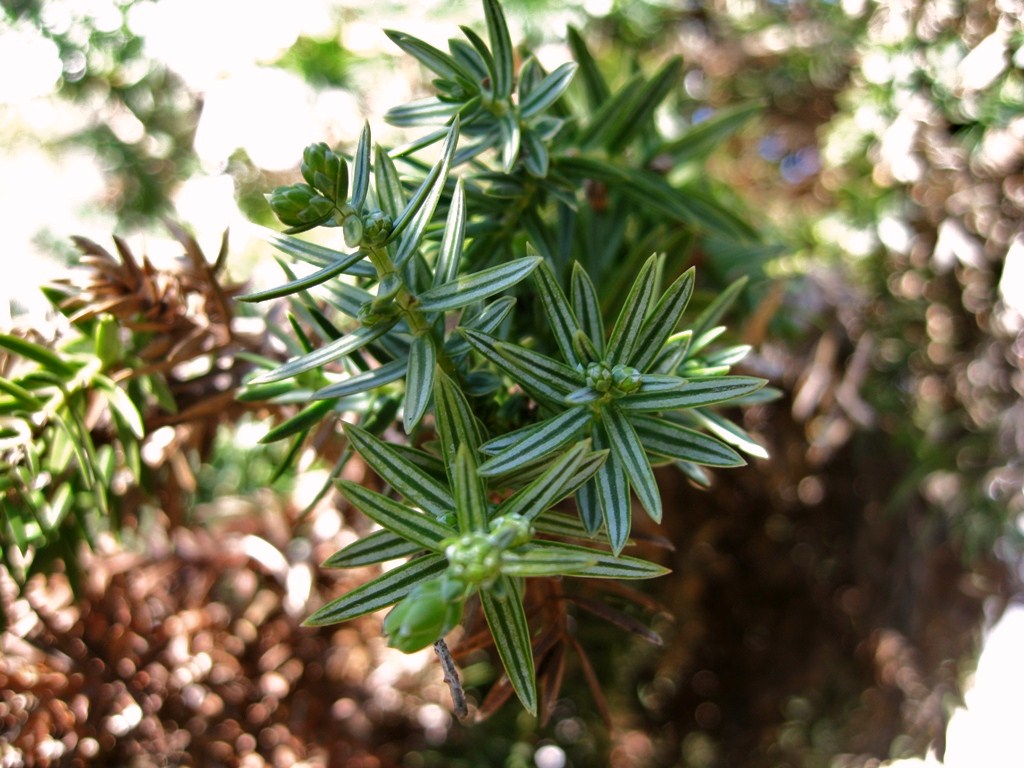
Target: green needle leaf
(626, 332)
(306, 418)
(644, 101)
(560, 316)
(311, 253)
(531, 73)
(582, 396)
(22, 397)
(589, 507)
(470, 497)
(468, 289)
(415, 484)
(697, 392)
(606, 565)
(501, 46)
(540, 374)
(456, 424)
(328, 353)
(309, 281)
(536, 157)
(122, 405)
(419, 381)
(586, 306)
(347, 298)
(509, 439)
(361, 170)
(530, 560)
(479, 54)
(51, 361)
(557, 482)
(365, 381)
(630, 452)
(470, 60)
(378, 547)
(548, 91)
(610, 114)
(729, 356)
(438, 61)
(662, 321)
(511, 139)
(698, 142)
(692, 205)
(611, 489)
(716, 309)
(657, 382)
(428, 462)
(447, 267)
(420, 209)
(667, 438)
(559, 524)
(594, 85)
(428, 111)
(399, 519)
(538, 442)
(585, 472)
(728, 432)
(491, 316)
(390, 195)
(385, 590)
(688, 205)
(673, 352)
(507, 620)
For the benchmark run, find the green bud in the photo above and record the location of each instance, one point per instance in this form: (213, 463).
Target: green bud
(300, 205)
(426, 614)
(599, 377)
(626, 379)
(376, 227)
(510, 531)
(108, 340)
(373, 313)
(474, 558)
(325, 170)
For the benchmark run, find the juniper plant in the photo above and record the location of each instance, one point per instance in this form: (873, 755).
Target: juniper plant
(448, 312)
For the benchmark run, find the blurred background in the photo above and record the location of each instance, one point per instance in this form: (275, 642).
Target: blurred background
(827, 605)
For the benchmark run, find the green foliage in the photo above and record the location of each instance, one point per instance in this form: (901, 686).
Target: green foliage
(107, 64)
(945, 327)
(127, 357)
(323, 63)
(472, 305)
(56, 480)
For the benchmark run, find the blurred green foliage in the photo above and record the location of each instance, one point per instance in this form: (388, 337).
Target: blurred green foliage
(321, 62)
(141, 117)
(918, 162)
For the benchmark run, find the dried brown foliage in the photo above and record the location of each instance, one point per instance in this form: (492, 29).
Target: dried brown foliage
(193, 653)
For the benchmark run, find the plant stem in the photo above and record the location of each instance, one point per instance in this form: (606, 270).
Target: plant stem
(407, 302)
(451, 677)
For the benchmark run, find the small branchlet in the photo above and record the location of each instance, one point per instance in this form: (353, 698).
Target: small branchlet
(470, 312)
